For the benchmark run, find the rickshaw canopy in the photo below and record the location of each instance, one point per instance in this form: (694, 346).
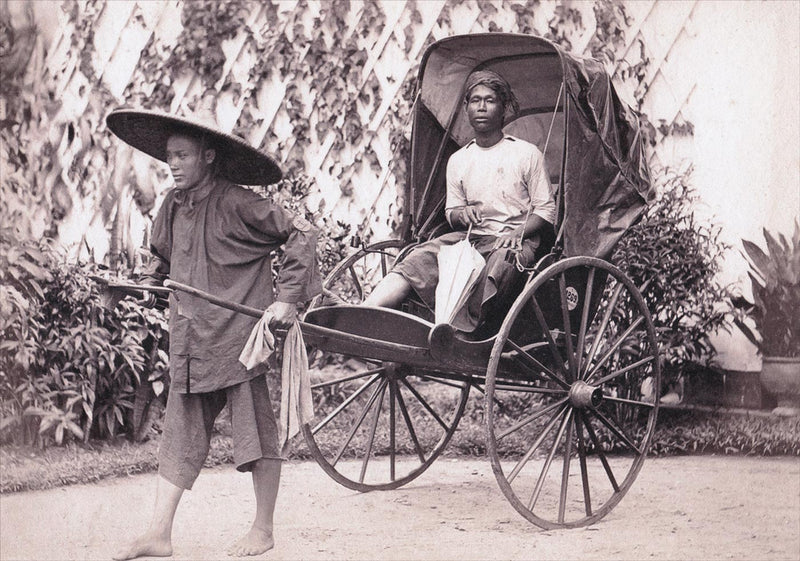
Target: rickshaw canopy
(593, 147)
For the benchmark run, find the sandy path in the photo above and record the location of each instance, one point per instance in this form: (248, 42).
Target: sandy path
(678, 508)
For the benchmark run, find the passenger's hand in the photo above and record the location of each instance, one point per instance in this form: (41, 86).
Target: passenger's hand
(510, 241)
(283, 314)
(470, 214)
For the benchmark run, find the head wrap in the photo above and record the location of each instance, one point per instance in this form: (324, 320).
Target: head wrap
(496, 83)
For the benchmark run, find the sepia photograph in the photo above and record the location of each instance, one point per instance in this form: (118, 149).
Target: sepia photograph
(400, 280)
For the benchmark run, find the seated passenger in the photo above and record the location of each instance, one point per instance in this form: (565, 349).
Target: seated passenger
(498, 185)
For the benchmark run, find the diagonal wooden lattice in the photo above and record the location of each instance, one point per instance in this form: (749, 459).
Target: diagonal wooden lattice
(269, 91)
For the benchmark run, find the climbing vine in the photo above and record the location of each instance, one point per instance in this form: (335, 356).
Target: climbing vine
(206, 24)
(611, 22)
(323, 58)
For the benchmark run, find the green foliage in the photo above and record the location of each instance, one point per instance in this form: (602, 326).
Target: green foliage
(678, 433)
(674, 258)
(292, 193)
(612, 20)
(322, 53)
(681, 433)
(324, 63)
(775, 278)
(68, 366)
(31, 189)
(206, 24)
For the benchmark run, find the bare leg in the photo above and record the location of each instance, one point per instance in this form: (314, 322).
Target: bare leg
(390, 292)
(266, 479)
(157, 540)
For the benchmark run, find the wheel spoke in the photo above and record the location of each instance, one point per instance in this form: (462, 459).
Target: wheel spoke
(351, 420)
(547, 335)
(562, 499)
(412, 433)
(375, 417)
(522, 356)
(357, 282)
(622, 371)
(546, 467)
(628, 401)
(530, 419)
(331, 297)
(604, 323)
(600, 453)
(425, 404)
(562, 286)
(621, 339)
(440, 381)
(587, 498)
(618, 432)
(393, 390)
(587, 299)
(358, 422)
(384, 264)
(529, 389)
(345, 403)
(364, 374)
(538, 442)
(478, 387)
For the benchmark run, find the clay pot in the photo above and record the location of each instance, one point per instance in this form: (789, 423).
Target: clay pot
(780, 376)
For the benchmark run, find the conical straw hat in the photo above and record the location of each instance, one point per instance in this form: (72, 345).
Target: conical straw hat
(149, 131)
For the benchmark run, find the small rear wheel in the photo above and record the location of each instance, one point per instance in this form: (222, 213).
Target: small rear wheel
(379, 425)
(573, 379)
(351, 281)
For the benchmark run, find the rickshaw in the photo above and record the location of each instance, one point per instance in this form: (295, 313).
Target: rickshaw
(569, 376)
(572, 374)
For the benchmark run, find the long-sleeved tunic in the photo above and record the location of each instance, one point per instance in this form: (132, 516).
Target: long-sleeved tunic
(222, 244)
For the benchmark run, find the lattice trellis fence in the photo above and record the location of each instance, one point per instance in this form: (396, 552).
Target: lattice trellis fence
(325, 86)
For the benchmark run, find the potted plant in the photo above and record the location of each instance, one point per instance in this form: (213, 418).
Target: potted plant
(775, 311)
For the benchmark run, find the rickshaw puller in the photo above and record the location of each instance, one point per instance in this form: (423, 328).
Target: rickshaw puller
(216, 236)
(498, 185)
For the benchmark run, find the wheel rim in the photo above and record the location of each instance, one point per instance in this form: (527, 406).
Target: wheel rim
(353, 279)
(378, 425)
(588, 402)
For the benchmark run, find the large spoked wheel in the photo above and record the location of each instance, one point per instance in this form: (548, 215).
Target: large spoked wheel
(570, 417)
(378, 425)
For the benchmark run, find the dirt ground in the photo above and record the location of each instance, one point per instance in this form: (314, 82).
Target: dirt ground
(678, 508)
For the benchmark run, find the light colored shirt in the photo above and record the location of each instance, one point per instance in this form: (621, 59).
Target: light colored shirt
(504, 180)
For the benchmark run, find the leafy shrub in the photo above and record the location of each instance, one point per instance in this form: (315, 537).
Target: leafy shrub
(333, 242)
(69, 367)
(711, 433)
(676, 257)
(775, 277)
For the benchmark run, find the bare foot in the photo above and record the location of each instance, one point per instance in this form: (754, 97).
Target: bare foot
(254, 542)
(147, 545)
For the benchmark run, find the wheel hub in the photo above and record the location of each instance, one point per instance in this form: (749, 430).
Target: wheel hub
(585, 395)
(393, 370)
